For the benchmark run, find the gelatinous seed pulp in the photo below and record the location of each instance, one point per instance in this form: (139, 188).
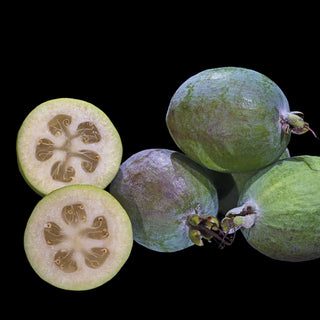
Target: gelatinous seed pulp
(45, 148)
(74, 215)
(52, 233)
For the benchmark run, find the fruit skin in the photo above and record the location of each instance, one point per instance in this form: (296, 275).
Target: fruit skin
(159, 189)
(242, 178)
(228, 119)
(286, 197)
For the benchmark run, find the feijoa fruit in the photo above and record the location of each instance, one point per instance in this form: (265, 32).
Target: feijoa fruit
(170, 199)
(241, 178)
(68, 141)
(279, 210)
(232, 119)
(78, 237)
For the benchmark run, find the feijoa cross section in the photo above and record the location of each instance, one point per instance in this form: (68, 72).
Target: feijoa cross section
(78, 237)
(68, 141)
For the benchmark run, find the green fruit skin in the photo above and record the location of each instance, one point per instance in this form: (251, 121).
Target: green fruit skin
(228, 119)
(159, 189)
(287, 195)
(242, 178)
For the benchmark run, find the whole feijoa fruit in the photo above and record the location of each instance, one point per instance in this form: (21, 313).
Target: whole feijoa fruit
(279, 212)
(170, 199)
(68, 141)
(232, 119)
(241, 178)
(78, 237)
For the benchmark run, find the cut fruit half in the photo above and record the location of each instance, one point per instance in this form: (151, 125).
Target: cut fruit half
(68, 141)
(78, 237)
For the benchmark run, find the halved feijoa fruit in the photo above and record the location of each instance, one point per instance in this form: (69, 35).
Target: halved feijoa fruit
(78, 237)
(68, 141)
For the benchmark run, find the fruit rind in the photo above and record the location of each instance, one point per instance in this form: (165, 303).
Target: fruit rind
(41, 255)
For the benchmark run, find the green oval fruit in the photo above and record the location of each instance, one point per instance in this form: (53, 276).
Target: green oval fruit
(78, 237)
(279, 212)
(232, 119)
(241, 178)
(67, 141)
(160, 190)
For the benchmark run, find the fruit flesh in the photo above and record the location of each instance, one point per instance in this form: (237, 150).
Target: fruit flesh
(285, 200)
(228, 119)
(78, 237)
(159, 189)
(68, 141)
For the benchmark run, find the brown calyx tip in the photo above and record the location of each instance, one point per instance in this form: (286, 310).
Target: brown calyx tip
(293, 122)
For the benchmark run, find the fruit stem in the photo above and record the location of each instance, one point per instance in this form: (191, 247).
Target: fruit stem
(207, 227)
(294, 122)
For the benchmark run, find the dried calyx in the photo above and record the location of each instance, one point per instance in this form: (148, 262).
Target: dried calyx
(294, 122)
(236, 218)
(207, 227)
(75, 215)
(58, 126)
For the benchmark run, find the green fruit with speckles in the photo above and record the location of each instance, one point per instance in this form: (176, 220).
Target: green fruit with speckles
(241, 178)
(232, 119)
(160, 189)
(279, 213)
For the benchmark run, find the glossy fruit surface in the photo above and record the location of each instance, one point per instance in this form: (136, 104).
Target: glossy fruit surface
(279, 213)
(67, 141)
(232, 119)
(160, 189)
(78, 237)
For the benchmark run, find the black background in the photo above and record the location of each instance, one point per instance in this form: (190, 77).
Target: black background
(129, 64)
